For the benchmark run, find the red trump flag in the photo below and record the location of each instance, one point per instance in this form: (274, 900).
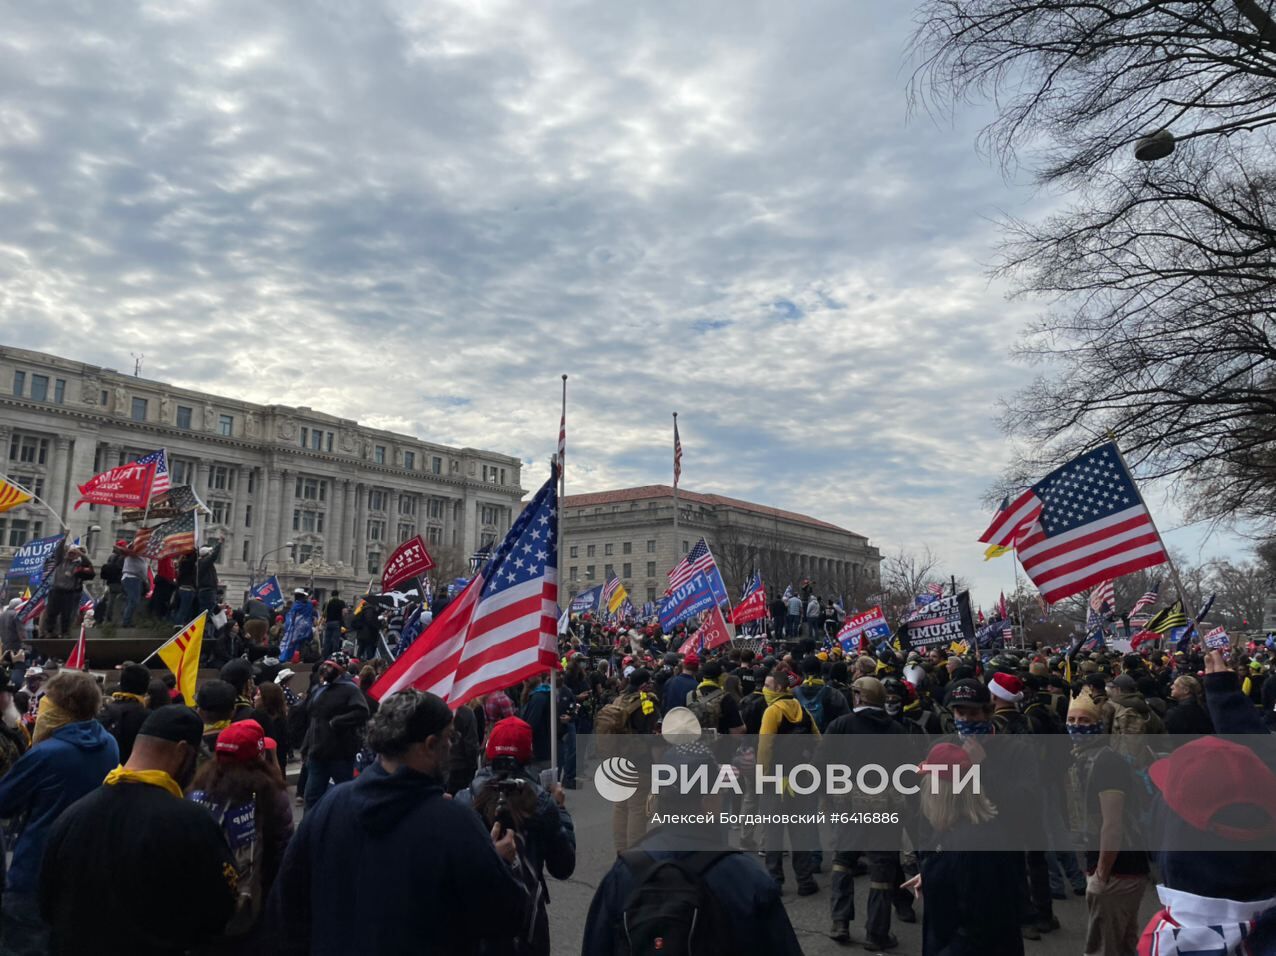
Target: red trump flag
(128, 486)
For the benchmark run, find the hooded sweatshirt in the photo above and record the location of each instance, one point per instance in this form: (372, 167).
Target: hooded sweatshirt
(46, 780)
(419, 870)
(785, 708)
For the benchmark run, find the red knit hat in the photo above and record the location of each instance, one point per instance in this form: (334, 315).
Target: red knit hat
(942, 758)
(511, 737)
(241, 743)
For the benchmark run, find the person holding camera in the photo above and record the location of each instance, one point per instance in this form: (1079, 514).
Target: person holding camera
(505, 794)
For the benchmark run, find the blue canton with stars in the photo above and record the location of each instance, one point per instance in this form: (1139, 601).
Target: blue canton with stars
(1089, 488)
(530, 545)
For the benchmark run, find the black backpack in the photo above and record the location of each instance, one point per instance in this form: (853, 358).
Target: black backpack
(814, 705)
(113, 569)
(670, 911)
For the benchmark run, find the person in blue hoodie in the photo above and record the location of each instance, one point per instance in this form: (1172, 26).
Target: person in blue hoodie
(423, 873)
(71, 755)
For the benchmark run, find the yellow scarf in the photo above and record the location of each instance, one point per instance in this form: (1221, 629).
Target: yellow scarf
(49, 717)
(218, 726)
(771, 696)
(156, 778)
(125, 695)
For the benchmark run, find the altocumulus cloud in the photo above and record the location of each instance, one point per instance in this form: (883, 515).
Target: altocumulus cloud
(418, 215)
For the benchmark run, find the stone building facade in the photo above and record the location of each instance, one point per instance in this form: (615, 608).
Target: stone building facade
(344, 494)
(630, 532)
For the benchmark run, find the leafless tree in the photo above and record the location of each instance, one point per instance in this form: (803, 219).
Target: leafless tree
(1158, 277)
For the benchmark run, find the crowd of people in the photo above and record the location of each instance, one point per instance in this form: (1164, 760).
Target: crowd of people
(438, 823)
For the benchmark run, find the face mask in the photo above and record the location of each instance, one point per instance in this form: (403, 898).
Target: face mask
(893, 708)
(972, 728)
(1084, 730)
(770, 696)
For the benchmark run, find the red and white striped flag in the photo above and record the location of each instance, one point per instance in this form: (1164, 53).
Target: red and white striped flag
(677, 453)
(1084, 523)
(562, 440)
(1150, 597)
(503, 627)
(1103, 593)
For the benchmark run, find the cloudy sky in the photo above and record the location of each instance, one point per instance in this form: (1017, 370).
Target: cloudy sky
(420, 215)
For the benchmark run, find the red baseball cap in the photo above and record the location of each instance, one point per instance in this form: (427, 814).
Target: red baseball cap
(511, 737)
(243, 742)
(942, 758)
(692, 659)
(1203, 778)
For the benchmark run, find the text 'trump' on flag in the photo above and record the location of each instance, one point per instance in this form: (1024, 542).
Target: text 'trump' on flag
(503, 627)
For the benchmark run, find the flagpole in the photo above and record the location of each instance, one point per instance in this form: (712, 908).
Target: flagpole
(562, 495)
(1174, 571)
(677, 547)
(1023, 630)
(38, 500)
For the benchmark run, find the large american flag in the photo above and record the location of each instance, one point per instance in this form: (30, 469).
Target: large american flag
(503, 627)
(698, 559)
(1084, 523)
(171, 538)
(160, 483)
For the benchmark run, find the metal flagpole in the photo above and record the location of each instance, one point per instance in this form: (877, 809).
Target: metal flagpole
(677, 547)
(560, 458)
(38, 500)
(1023, 628)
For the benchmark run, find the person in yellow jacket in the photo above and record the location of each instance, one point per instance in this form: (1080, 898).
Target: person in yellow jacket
(785, 716)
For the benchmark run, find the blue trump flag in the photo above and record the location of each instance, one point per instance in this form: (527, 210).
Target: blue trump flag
(28, 560)
(586, 600)
(268, 592)
(694, 597)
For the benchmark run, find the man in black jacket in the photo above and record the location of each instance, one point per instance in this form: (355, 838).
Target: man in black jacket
(336, 712)
(206, 577)
(430, 876)
(124, 715)
(71, 569)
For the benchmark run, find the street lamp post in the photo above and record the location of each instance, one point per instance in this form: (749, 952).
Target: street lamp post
(261, 565)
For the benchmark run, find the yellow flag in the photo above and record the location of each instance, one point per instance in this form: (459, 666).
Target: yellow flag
(11, 495)
(959, 647)
(181, 656)
(996, 551)
(618, 598)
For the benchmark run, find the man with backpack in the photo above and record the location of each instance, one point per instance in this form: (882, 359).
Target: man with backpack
(681, 684)
(715, 709)
(1133, 720)
(112, 574)
(817, 698)
(633, 713)
(679, 892)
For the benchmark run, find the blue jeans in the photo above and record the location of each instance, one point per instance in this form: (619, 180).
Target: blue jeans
(185, 606)
(22, 930)
(567, 757)
(331, 638)
(794, 624)
(319, 772)
(132, 598)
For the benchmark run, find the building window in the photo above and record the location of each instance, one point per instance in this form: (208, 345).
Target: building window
(221, 509)
(627, 572)
(252, 481)
(651, 569)
(434, 534)
(40, 388)
(104, 398)
(609, 549)
(685, 549)
(627, 547)
(574, 551)
(589, 572)
(571, 573)
(306, 520)
(407, 505)
(316, 440)
(436, 508)
(490, 514)
(305, 437)
(502, 476)
(15, 532)
(59, 390)
(247, 552)
(487, 542)
(409, 460)
(376, 530)
(374, 563)
(312, 489)
(29, 450)
(20, 383)
(183, 416)
(376, 500)
(436, 466)
(651, 595)
(609, 571)
(378, 454)
(406, 531)
(139, 409)
(327, 442)
(248, 516)
(32, 483)
(221, 478)
(178, 471)
(226, 425)
(651, 546)
(589, 550)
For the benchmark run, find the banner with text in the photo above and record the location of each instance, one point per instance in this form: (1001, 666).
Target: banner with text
(28, 560)
(128, 486)
(940, 623)
(409, 560)
(694, 597)
(871, 625)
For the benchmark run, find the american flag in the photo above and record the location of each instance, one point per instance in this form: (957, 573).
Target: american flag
(1082, 524)
(699, 559)
(788, 592)
(677, 453)
(1103, 593)
(562, 440)
(609, 590)
(160, 483)
(172, 537)
(502, 627)
(1002, 612)
(1150, 597)
(935, 589)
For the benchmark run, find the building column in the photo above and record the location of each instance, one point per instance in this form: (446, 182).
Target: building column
(392, 520)
(332, 527)
(360, 530)
(56, 482)
(344, 530)
(268, 511)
